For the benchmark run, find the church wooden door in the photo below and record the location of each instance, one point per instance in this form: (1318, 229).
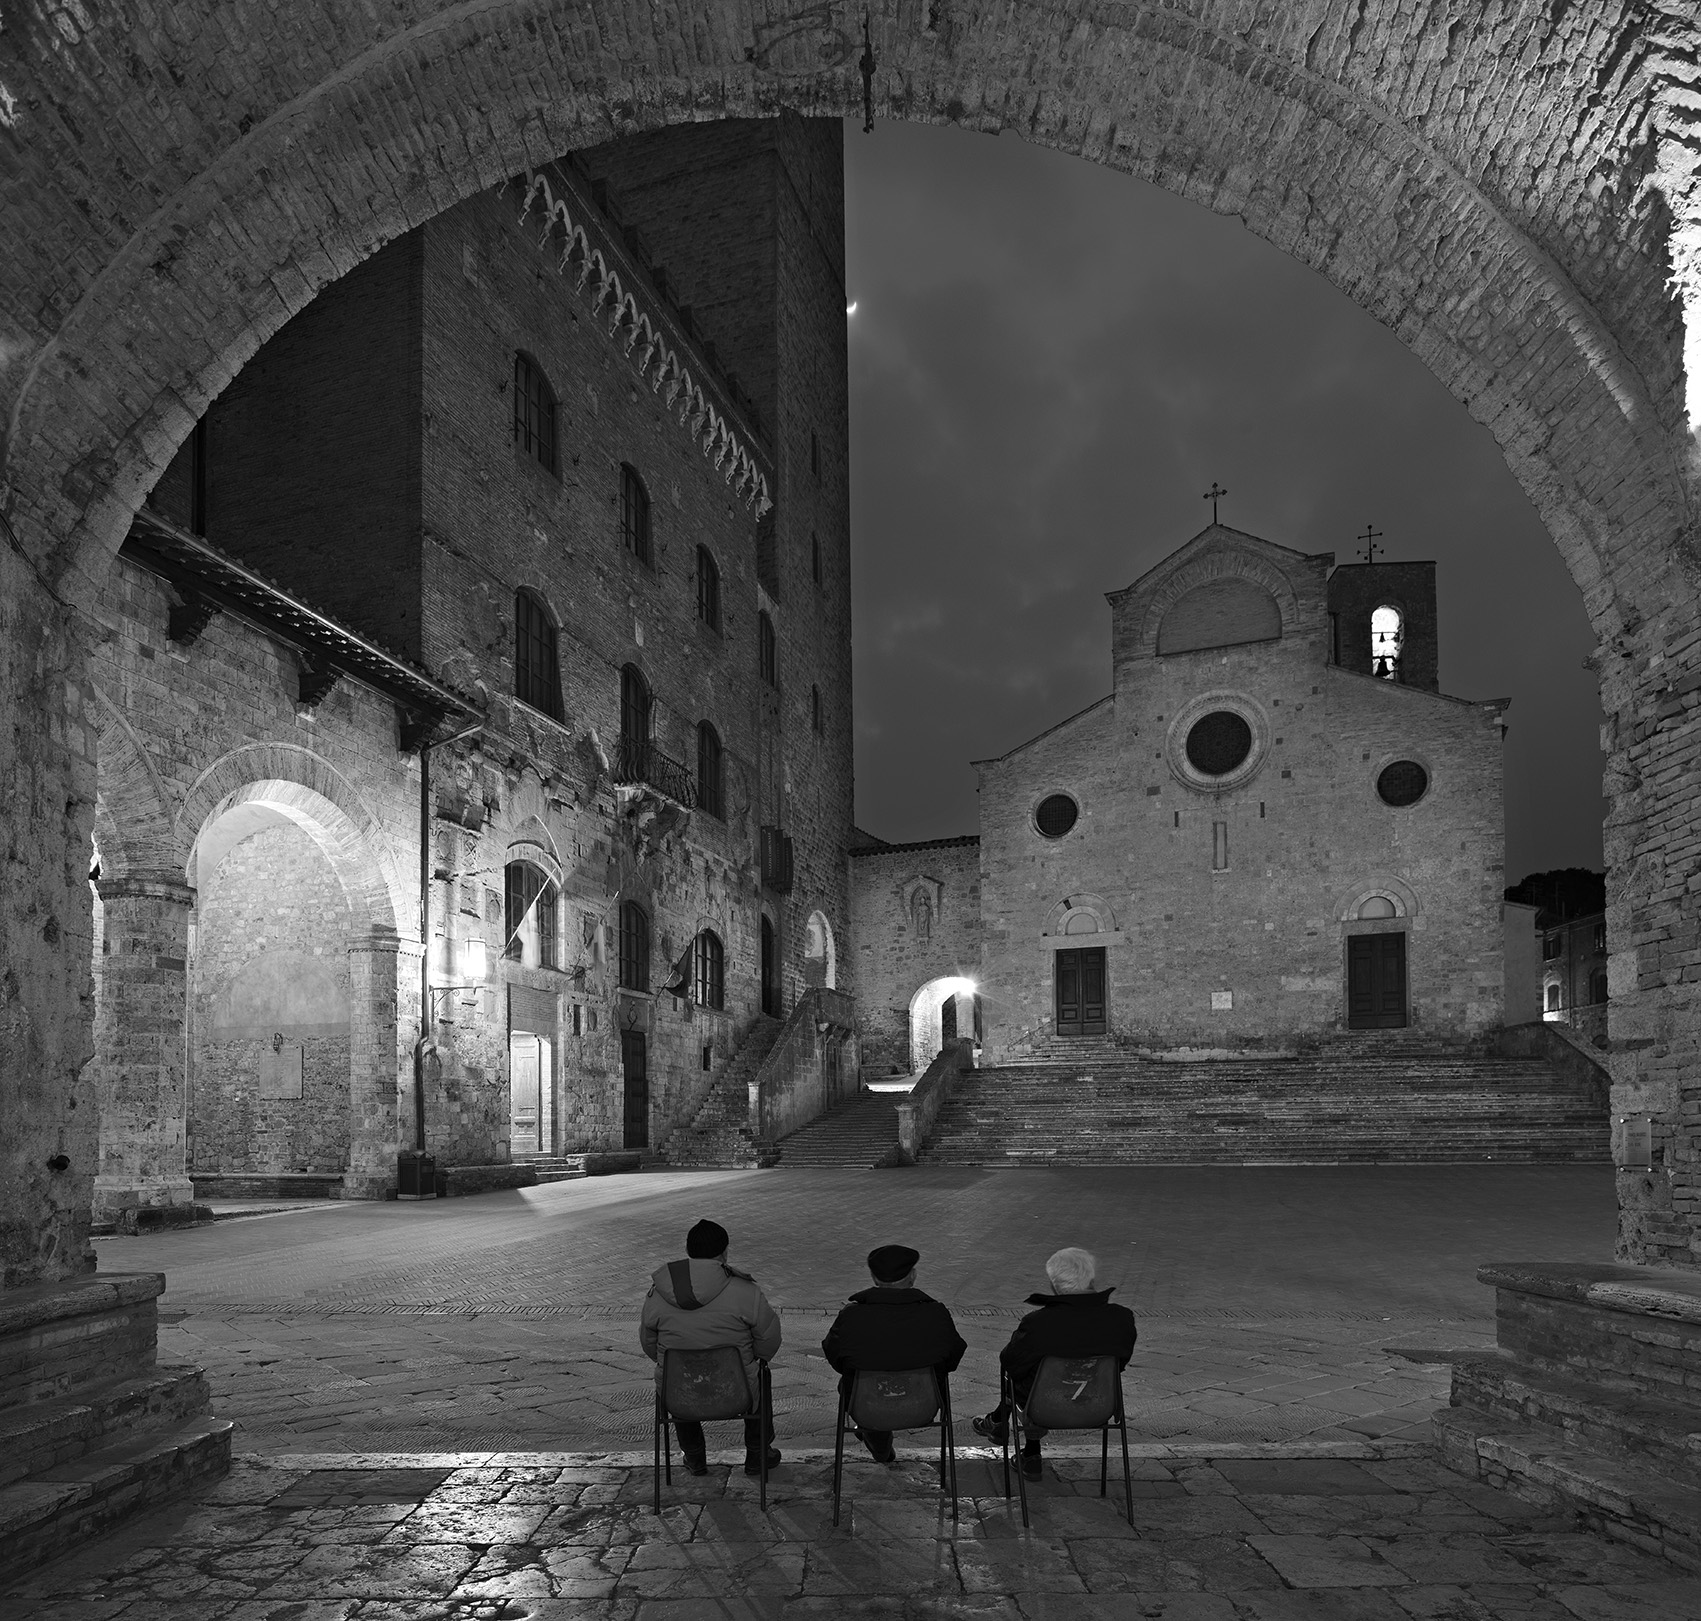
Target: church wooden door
(1376, 981)
(1080, 987)
(634, 1065)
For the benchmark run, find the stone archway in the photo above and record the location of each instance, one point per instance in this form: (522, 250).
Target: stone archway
(1532, 279)
(940, 1009)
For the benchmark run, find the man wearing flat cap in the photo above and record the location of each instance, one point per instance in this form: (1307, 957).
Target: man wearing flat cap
(700, 1303)
(891, 1327)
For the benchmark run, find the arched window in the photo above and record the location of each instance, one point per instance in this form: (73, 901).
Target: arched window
(1377, 906)
(708, 589)
(1387, 638)
(634, 721)
(766, 651)
(534, 412)
(711, 772)
(634, 947)
(815, 708)
(1553, 999)
(708, 971)
(530, 908)
(634, 513)
(537, 669)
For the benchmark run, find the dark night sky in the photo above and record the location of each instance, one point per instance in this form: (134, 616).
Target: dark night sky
(1049, 362)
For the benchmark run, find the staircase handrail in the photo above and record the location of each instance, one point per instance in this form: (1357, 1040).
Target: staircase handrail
(918, 1112)
(818, 1013)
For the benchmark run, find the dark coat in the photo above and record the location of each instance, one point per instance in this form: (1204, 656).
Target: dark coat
(1069, 1325)
(883, 1330)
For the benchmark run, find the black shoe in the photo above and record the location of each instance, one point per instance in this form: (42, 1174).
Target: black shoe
(753, 1461)
(1033, 1465)
(890, 1455)
(994, 1429)
(696, 1463)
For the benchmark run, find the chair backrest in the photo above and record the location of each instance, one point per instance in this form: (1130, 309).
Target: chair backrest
(1073, 1393)
(706, 1384)
(904, 1400)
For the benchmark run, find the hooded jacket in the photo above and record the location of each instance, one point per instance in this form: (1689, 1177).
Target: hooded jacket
(1069, 1325)
(728, 1309)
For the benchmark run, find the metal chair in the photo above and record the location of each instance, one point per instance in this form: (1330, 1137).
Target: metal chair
(1070, 1393)
(700, 1386)
(905, 1399)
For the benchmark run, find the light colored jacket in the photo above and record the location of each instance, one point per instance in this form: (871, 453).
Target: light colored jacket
(729, 1310)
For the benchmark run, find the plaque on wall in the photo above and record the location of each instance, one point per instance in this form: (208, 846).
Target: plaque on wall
(280, 1069)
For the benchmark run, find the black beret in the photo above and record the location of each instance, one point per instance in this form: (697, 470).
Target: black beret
(892, 1261)
(705, 1241)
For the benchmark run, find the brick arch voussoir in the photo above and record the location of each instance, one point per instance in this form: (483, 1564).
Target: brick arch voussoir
(1228, 563)
(475, 93)
(319, 800)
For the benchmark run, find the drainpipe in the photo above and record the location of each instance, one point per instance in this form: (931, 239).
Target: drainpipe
(426, 1021)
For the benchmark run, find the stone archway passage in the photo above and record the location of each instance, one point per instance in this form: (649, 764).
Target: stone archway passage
(219, 179)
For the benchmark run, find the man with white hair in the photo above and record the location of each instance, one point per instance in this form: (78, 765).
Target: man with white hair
(1075, 1319)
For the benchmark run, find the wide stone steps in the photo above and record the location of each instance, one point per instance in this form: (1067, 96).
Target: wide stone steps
(43, 1435)
(856, 1133)
(1112, 1109)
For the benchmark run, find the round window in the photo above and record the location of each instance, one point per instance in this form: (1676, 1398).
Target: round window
(1056, 815)
(1404, 782)
(1219, 742)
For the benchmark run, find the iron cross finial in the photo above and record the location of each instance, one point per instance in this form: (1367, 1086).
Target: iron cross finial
(1370, 538)
(1213, 495)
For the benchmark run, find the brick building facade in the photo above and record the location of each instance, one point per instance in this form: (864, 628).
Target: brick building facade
(508, 452)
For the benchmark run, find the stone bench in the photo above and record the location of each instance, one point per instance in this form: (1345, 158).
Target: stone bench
(453, 1181)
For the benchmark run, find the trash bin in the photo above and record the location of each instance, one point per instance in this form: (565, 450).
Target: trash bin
(416, 1175)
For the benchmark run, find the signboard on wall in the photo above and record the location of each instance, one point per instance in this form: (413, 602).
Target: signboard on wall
(280, 1069)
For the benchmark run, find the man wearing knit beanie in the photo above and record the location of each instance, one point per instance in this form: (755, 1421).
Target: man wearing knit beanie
(700, 1303)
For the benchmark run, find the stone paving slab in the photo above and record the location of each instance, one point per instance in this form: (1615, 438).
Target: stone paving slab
(1269, 1297)
(488, 1536)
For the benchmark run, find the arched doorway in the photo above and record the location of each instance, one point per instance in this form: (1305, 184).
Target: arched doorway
(942, 1010)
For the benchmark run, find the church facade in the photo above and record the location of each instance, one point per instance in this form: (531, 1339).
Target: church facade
(1275, 827)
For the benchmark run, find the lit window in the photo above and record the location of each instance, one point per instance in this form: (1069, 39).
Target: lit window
(708, 589)
(767, 651)
(1600, 937)
(708, 971)
(634, 513)
(1553, 999)
(1387, 639)
(534, 412)
(634, 947)
(711, 772)
(537, 671)
(530, 905)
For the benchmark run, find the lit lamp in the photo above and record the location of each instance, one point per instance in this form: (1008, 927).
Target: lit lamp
(475, 960)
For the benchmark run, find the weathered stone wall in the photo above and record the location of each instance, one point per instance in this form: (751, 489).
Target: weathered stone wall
(1307, 837)
(270, 969)
(915, 918)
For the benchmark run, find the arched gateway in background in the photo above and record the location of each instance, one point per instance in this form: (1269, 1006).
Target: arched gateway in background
(1517, 194)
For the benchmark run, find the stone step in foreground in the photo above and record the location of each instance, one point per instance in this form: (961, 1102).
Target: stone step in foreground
(90, 1429)
(1593, 1404)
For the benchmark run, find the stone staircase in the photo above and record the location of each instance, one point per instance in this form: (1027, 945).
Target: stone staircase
(719, 1135)
(1592, 1402)
(859, 1132)
(1374, 1100)
(90, 1428)
(592, 1162)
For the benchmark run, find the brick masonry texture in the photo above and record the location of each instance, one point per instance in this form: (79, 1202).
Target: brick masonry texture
(1515, 193)
(1308, 838)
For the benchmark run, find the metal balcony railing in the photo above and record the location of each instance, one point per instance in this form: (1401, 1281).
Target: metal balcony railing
(640, 761)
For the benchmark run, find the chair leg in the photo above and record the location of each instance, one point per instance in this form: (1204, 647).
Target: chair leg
(1007, 1404)
(660, 1422)
(765, 1421)
(1104, 1460)
(950, 1430)
(1015, 1423)
(1127, 1478)
(838, 1458)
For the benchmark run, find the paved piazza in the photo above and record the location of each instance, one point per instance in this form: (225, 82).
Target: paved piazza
(1267, 1297)
(444, 1414)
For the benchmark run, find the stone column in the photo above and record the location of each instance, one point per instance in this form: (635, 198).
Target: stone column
(374, 1067)
(141, 1043)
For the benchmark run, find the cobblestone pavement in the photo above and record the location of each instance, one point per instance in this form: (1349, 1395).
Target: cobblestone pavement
(1268, 1298)
(1218, 1537)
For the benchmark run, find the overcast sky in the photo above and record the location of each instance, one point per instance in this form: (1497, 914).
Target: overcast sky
(1049, 362)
